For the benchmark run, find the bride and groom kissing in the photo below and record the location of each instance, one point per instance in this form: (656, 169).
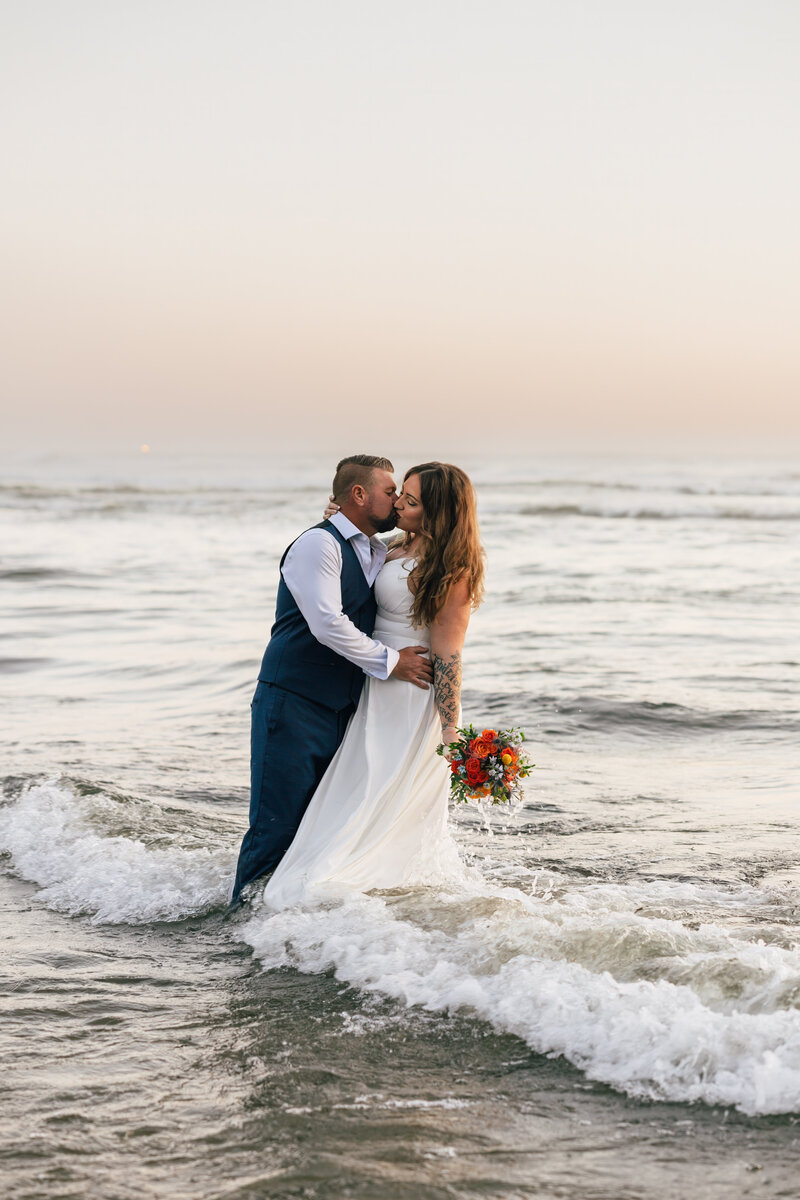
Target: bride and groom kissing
(360, 683)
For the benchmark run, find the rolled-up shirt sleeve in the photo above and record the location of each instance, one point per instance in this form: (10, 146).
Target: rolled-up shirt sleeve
(312, 571)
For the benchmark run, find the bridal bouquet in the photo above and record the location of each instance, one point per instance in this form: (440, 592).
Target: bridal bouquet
(487, 764)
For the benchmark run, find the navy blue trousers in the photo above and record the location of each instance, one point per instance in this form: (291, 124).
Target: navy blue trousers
(292, 741)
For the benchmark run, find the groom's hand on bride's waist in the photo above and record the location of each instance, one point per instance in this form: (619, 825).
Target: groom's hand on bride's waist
(413, 667)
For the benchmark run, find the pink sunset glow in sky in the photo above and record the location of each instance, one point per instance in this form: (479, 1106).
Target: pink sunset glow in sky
(253, 220)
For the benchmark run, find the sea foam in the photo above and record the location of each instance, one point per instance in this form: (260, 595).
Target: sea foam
(54, 839)
(622, 980)
(715, 1020)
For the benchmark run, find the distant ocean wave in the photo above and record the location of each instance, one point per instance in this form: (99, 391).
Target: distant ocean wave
(650, 486)
(36, 574)
(37, 491)
(777, 485)
(58, 492)
(660, 497)
(12, 666)
(560, 715)
(656, 514)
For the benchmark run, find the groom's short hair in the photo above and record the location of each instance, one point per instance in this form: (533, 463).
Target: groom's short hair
(357, 468)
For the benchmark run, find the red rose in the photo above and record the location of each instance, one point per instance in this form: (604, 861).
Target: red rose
(475, 771)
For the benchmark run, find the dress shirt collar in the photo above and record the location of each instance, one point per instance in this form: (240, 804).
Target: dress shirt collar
(345, 526)
(370, 551)
(349, 530)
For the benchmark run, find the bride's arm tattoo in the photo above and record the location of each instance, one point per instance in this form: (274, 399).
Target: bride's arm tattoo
(447, 687)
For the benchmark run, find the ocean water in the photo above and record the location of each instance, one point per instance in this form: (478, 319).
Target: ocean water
(607, 1007)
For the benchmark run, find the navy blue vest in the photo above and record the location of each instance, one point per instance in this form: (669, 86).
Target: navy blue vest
(295, 661)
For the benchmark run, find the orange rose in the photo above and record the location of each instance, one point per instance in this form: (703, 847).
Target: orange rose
(482, 749)
(488, 735)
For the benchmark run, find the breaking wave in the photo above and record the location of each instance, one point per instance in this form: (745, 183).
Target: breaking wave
(643, 1003)
(63, 843)
(663, 990)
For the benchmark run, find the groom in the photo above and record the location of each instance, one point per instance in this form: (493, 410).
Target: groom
(319, 650)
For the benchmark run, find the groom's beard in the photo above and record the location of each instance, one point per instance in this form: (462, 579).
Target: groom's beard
(386, 524)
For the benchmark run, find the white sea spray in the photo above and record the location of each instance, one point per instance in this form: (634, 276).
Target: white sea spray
(54, 842)
(714, 1022)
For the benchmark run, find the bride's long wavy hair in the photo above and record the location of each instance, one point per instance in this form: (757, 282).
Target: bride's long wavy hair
(448, 545)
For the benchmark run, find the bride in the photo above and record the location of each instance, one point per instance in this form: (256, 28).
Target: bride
(379, 816)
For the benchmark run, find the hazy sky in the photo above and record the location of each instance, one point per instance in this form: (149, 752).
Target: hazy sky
(249, 222)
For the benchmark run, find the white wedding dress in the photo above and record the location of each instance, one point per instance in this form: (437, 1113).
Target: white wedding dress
(378, 819)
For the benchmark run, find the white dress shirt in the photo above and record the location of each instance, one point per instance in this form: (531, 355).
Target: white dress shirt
(312, 571)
